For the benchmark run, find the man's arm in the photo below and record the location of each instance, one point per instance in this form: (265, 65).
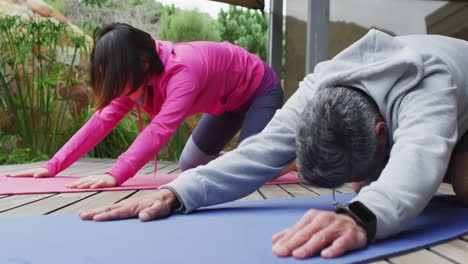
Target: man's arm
(257, 160)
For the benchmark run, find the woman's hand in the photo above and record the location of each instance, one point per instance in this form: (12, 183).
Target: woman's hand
(36, 173)
(92, 182)
(147, 208)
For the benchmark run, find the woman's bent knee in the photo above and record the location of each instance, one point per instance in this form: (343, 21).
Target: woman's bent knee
(192, 156)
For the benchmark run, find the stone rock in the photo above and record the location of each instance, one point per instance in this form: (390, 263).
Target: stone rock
(37, 10)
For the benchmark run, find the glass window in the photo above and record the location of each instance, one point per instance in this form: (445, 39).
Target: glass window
(352, 19)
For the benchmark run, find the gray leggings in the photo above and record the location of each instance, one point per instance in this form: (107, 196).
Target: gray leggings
(212, 132)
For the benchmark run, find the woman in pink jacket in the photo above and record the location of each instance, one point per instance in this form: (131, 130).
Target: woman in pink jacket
(170, 81)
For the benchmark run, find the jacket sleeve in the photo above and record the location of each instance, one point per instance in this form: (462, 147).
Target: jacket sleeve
(97, 127)
(181, 92)
(423, 142)
(243, 170)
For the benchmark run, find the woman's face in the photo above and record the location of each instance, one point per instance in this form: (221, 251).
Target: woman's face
(136, 94)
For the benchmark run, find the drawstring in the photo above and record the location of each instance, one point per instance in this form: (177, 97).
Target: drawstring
(140, 124)
(139, 119)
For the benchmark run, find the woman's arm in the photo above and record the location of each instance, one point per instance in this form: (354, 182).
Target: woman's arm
(97, 127)
(181, 92)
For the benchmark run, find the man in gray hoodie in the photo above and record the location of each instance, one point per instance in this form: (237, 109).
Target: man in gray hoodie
(386, 111)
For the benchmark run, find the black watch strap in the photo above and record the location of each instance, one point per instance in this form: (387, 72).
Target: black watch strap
(176, 205)
(363, 217)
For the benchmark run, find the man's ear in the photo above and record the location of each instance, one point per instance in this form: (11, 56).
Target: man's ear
(381, 131)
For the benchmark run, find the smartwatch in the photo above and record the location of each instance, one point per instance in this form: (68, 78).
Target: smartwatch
(363, 217)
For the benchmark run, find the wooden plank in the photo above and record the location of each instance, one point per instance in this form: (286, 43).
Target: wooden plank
(95, 201)
(420, 256)
(170, 168)
(14, 201)
(48, 205)
(149, 168)
(455, 250)
(88, 168)
(273, 192)
(317, 190)
(297, 190)
(79, 168)
(345, 189)
(19, 167)
(446, 189)
(252, 197)
(142, 193)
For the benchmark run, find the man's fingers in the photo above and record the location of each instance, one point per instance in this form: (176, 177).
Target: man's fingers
(304, 221)
(276, 237)
(88, 215)
(312, 222)
(122, 212)
(346, 242)
(314, 245)
(296, 240)
(155, 211)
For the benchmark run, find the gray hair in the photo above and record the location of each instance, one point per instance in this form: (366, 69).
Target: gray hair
(336, 135)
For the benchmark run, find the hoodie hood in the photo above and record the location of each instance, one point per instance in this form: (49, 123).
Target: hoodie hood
(378, 64)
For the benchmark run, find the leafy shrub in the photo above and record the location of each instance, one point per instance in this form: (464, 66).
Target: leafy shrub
(38, 76)
(246, 28)
(182, 26)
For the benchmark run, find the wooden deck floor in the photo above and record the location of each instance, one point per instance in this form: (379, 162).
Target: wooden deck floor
(455, 251)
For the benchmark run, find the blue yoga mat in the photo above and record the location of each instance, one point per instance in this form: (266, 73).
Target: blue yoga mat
(238, 232)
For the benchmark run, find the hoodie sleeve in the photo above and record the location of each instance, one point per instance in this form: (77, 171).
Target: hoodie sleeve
(423, 141)
(181, 90)
(97, 127)
(243, 170)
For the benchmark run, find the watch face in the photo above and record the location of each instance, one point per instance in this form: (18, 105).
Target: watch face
(360, 210)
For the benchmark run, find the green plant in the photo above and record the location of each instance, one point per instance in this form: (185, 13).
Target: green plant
(55, 4)
(118, 140)
(245, 28)
(35, 83)
(88, 27)
(10, 154)
(174, 147)
(180, 26)
(97, 3)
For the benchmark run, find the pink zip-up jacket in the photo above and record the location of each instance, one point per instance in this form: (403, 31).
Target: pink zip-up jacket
(199, 77)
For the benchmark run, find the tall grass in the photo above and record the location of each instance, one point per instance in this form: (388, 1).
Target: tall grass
(174, 147)
(35, 83)
(118, 140)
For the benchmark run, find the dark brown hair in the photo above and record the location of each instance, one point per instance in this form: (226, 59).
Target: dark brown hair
(118, 57)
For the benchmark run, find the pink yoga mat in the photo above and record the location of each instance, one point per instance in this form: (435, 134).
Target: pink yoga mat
(9, 185)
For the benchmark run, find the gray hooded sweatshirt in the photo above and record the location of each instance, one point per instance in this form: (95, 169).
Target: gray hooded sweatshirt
(420, 85)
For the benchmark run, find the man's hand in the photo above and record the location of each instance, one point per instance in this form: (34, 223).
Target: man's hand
(320, 231)
(150, 207)
(36, 173)
(95, 181)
